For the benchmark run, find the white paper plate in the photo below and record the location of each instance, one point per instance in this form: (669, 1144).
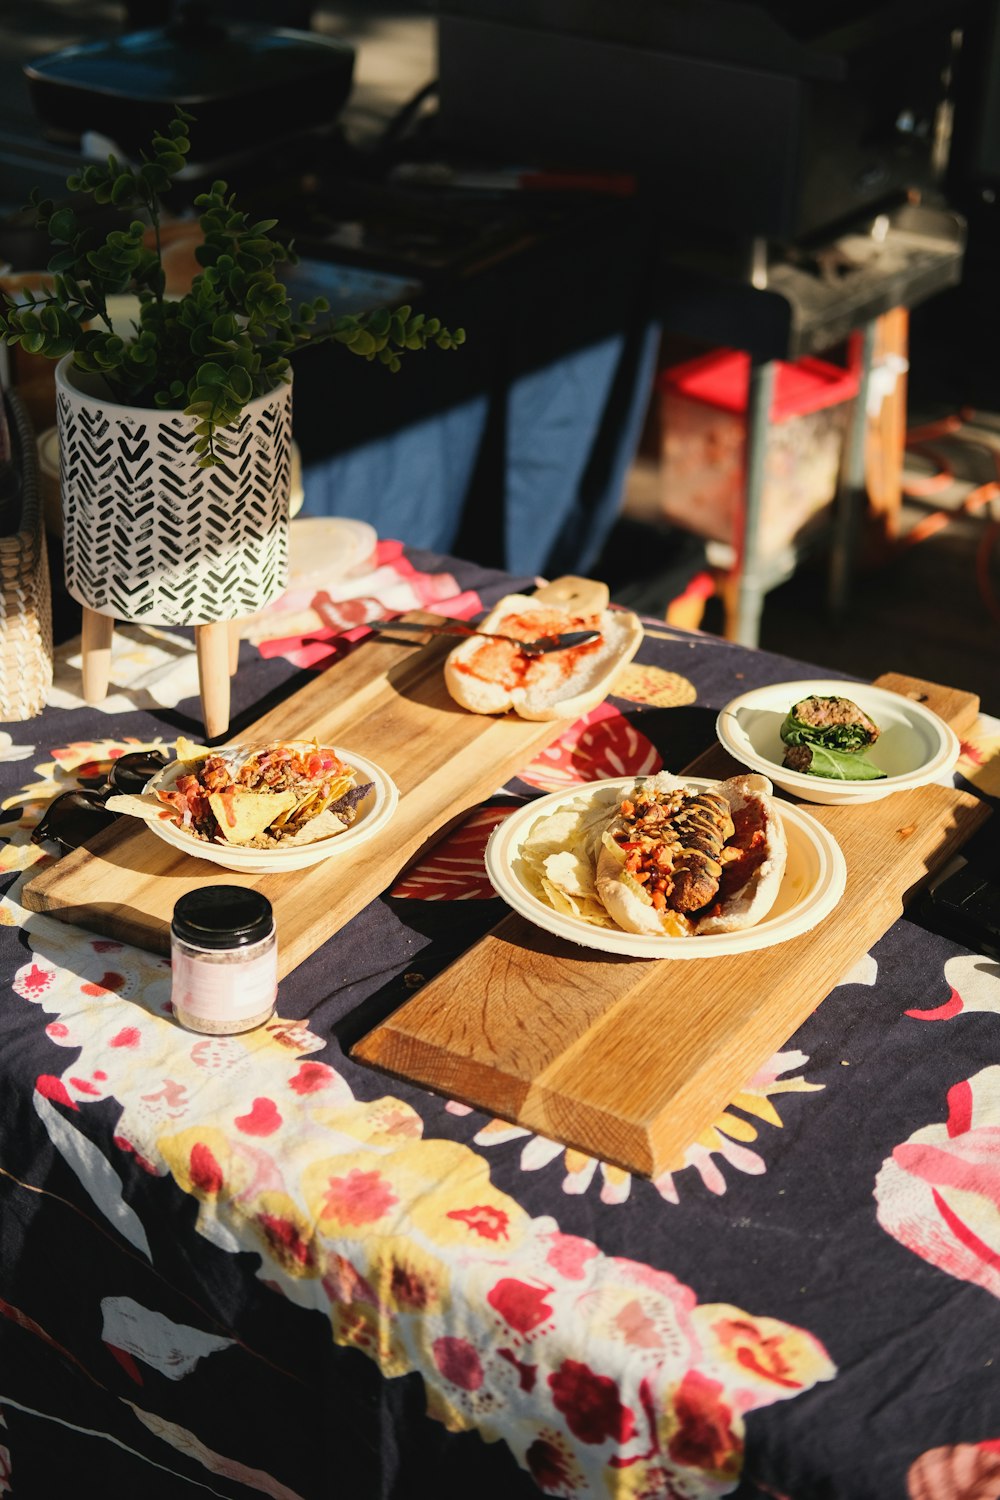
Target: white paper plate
(915, 746)
(374, 813)
(325, 549)
(813, 883)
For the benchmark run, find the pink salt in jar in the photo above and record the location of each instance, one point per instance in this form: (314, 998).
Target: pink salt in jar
(223, 959)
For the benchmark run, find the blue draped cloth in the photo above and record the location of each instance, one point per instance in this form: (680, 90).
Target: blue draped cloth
(513, 450)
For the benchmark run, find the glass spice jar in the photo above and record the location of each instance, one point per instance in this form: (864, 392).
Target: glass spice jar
(223, 959)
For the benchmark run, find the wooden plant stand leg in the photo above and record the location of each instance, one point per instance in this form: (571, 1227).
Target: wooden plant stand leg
(234, 645)
(95, 640)
(212, 642)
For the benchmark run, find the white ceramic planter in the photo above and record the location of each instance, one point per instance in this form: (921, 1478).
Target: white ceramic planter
(149, 537)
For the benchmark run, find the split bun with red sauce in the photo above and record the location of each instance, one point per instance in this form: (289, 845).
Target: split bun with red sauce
(492, 677)
(678, 860)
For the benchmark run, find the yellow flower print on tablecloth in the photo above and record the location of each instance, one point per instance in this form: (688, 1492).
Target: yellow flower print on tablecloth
(763, 1353)
(979, 761)
(204, 1164)
(653, 685)
(440, 1189)
(401, 1242)
(728, 1138)
(379, 1123)
(79, 760)
(71, 766)
(701, 1425)
(382, 1313)
(407, 1280)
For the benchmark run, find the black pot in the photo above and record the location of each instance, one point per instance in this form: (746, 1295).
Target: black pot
(246, 85)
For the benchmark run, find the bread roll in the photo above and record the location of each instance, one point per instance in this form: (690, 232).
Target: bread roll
(755, 825)
(491, 677)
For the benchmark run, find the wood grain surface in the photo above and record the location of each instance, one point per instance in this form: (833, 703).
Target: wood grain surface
(631, 1059)
(387, 701)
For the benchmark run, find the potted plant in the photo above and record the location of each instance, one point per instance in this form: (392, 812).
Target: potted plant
(175, 431)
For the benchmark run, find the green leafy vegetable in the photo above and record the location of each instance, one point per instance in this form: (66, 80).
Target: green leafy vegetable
(850, 737)
(226, 340)
(839, 765)
(825, 737)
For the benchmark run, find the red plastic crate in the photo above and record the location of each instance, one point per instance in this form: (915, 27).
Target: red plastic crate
(703, 408)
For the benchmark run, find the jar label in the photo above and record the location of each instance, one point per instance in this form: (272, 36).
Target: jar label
(214, 990)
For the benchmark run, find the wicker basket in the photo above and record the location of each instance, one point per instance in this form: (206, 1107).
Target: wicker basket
(25, 591)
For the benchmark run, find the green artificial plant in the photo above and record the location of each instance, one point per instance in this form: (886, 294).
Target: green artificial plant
(210, 351)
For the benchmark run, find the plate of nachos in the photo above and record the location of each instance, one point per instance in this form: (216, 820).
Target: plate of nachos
(264, 808)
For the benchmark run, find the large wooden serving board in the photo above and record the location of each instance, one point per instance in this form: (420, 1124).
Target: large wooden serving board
(631, 1059)
(388, 702)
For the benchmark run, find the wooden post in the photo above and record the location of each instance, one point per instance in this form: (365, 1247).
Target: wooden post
(212, 642)
(95, 640)
(234, 646)
(887, 440)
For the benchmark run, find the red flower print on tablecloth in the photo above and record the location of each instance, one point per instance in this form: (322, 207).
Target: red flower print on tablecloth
(550, 1463)
(705, 1438)
(287, 1242)
(938, 1192)
(603, 743)
(358, 1198)
(979, 761)
(32, 981)
(960, 1471)
(765, 1357)
(578, 1361)
(725, 1142)
(521, 1306)
(206, 1173)
(264, 1118)
(313, 1076)
(129, 1036)
(591, 1404)
(458, 1362)
(454, 868)
(485, 1219)
(53, 1088)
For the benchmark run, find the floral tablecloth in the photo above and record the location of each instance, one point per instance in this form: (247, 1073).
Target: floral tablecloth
(249, 1266)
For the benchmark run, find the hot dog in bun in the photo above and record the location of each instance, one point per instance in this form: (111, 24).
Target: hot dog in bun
(678, 860)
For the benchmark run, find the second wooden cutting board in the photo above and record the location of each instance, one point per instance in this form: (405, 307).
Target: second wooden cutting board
(630, 1060)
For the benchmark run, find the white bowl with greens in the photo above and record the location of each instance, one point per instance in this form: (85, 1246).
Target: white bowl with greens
(846, 761)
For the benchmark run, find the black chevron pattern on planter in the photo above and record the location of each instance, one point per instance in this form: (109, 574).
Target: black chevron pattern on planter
(148, 536)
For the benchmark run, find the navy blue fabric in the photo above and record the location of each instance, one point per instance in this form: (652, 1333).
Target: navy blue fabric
(798, 1239)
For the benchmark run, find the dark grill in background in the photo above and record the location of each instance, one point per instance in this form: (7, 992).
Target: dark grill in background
(832, 110)
(776, 119)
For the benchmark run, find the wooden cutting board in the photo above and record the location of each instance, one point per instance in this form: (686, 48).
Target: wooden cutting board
(388, 702)
(630, 1060)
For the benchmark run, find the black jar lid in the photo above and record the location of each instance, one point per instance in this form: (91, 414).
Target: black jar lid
(222, 916)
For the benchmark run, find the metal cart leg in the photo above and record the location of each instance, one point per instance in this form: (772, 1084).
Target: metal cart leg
(851, 488)
(750, 584)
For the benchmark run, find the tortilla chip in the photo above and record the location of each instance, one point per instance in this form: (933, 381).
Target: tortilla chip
(557, 856)
(323, 826)
(571, 872)
(583, 908)
(243, 815)
(145, 806)
(186, 750)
